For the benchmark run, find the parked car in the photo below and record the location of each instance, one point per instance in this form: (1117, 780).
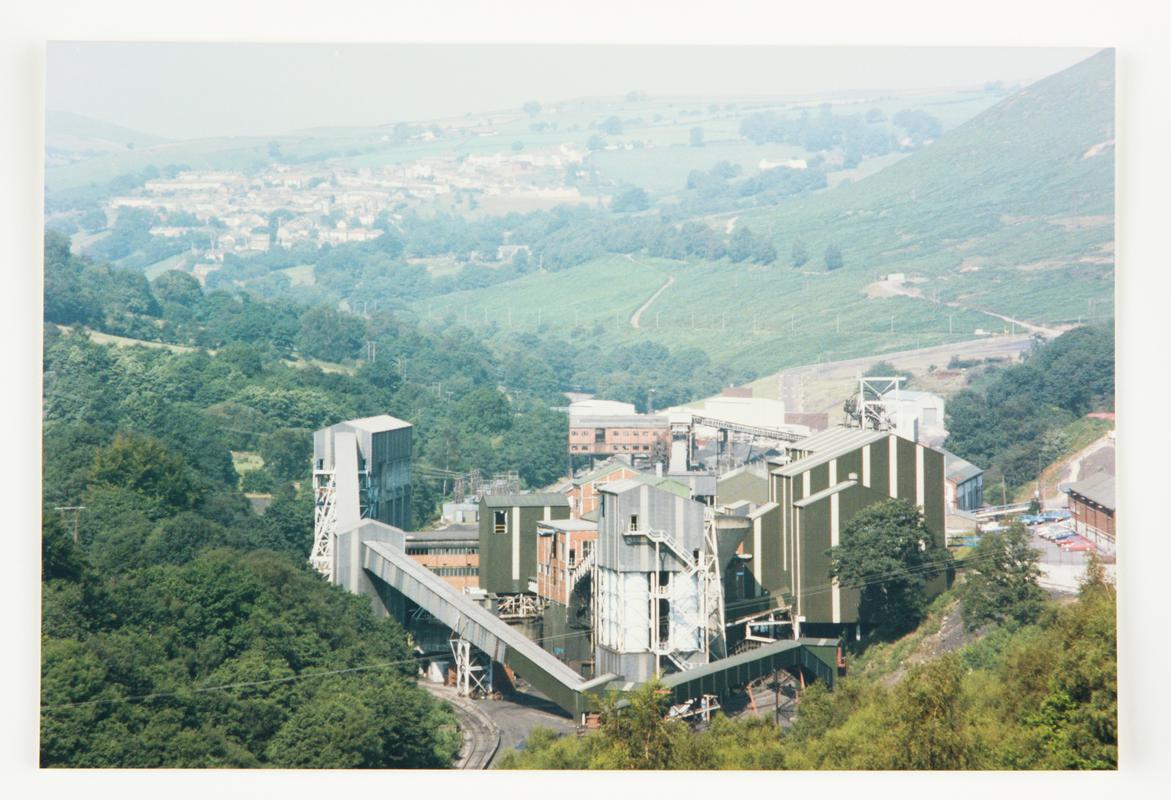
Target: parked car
(1056, 516)
(1032, 519)
(1078, 546)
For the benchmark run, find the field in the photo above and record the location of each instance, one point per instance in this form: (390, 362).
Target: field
(159, 267)
(1008, 217)
(302, 275)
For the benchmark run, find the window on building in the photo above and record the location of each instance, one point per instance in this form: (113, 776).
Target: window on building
(500, 521)
(633, 522)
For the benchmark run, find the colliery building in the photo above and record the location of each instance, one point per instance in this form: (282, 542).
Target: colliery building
(508, 538)
(583, 492)
(452, 553)
(1092, 504)
(832, 476)
(361, 470)
(964, 483)
(630, 434)
(660, 584)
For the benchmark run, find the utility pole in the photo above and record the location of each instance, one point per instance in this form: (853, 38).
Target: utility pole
(76, 519)
(777, 689)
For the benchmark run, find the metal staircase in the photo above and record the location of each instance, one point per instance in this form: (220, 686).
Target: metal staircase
(579, 571)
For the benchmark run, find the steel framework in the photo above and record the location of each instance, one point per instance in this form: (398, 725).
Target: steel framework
(518, 606)
(874, 405)
(704, 568)
(325, 516)
(471, 677)
(324, 521)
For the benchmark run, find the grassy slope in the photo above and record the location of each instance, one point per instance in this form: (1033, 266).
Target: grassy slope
(994, 193)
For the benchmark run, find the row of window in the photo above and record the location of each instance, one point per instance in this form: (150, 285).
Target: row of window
(585, 434)
(587, 448)
(456, 572)
(442, 551)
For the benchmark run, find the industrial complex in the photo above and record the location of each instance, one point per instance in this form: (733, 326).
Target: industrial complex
(688, 569)
(696, 553)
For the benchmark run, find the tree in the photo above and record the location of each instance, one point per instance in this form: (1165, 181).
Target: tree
(638, 736)
(286, 452)
(60, 557)
(630, 198)
(799, 254)
(696, 137)
(532, 108)
(143, 465)
(329, 334)
(888, 553)
(929, 729)
(595, 142)
(1001, 585)
(174, 286)
(486, 411)
(833, 257)
(611, 125)
(885, 369)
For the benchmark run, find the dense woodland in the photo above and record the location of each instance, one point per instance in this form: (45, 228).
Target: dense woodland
(1013, 420)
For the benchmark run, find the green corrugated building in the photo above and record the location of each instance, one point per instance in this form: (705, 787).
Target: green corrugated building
(508, 538)
(832, 476)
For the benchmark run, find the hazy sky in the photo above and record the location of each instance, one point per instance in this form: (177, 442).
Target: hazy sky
(195, 90)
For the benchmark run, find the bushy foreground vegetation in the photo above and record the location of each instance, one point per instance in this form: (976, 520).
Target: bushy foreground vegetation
(1039, 696)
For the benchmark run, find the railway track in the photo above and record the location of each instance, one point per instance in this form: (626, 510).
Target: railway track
(480, 736)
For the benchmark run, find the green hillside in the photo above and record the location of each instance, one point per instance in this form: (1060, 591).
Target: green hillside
(1010, 212)
(67, 131)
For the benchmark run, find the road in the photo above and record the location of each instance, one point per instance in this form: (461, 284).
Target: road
(1062, 570)
(1099, 455)
(822, 387)
(634, 319)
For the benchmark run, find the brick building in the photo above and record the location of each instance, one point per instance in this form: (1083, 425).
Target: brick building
(452, 553)
(632, 434)
(1091, 501)
(583, 491)
(563, 548)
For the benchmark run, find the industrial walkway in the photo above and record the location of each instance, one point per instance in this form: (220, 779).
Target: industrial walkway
(566, 688)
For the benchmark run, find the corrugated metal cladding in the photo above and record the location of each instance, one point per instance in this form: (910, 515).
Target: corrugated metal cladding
(508, 554)
(384, 450)
(390, 476)
(650, 508)
(818, 496)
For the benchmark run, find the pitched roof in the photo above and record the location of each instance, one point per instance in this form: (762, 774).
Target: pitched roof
(827, 445)
(601, 472)
(618, 421)
(618, 487)
(569, 524)
(377, 424)
(1097, 488)
(824, 493)
(957, 469)
(526, 499)
(742, 485)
